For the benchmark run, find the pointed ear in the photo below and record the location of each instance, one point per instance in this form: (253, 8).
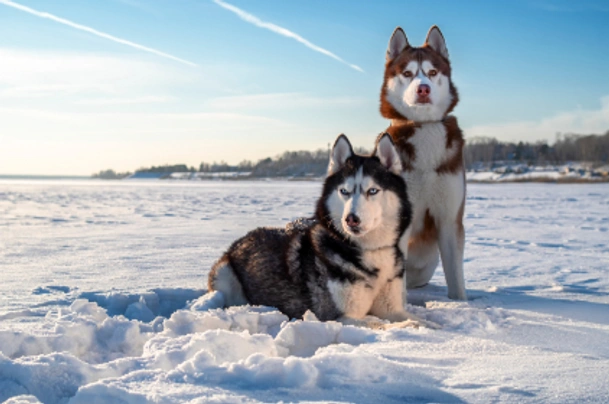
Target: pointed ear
(341, 151)
(435, 40)
(397, 44)
(387, 153)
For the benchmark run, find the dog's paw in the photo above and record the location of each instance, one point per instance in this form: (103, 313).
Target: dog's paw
(410, 324)
(400, 324)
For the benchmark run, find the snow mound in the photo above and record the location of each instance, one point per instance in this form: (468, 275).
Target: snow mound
(143, 306)
(90, 356)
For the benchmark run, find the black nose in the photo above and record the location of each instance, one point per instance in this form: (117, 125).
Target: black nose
(352, 220)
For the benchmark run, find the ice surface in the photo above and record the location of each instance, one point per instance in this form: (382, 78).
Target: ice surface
(102, 299)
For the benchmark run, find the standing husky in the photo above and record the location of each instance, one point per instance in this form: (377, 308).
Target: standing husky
(417, 95)
(345, 266)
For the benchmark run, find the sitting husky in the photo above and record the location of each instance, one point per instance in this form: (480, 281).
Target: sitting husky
(418, 95)
(347, 265)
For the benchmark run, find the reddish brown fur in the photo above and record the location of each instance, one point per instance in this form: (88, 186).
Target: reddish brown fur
(460, 228)
(428, 235)
(397, 66)
(400, 135)
(453, 135)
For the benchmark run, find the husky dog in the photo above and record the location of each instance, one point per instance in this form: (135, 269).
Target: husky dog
(417, 95)
(345, 266)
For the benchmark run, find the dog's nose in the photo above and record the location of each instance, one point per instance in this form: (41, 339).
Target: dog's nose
(352, 220)
(423, 90)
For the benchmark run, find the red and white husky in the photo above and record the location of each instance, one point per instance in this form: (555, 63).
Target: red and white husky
(417, 96)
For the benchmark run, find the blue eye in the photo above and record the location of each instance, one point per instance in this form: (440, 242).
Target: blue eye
(344, 191)
(373, 191)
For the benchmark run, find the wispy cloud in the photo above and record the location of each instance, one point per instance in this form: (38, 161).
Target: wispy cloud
(93, 31)
(252, 19)
(48, 76)
(582, 121)
(148, 99)
(276, 101)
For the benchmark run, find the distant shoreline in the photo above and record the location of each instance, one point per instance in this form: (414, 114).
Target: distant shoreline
(44, 177)
(544, 180)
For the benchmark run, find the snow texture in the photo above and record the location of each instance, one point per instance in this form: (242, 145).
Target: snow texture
(571, 172)
(103, 300)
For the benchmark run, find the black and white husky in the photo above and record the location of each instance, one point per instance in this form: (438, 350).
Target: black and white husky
(344, 267)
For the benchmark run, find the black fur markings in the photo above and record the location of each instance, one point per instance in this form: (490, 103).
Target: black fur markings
(330, 248)
(371, 167)
(292, 269)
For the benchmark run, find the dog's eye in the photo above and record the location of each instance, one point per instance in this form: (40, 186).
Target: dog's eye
(432, 73)
(373, 191)
(344, 191)
(407, 73)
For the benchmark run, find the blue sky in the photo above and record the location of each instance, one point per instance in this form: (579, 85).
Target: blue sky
(128, 83)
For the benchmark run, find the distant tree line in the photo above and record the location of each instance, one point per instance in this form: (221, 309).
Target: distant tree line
(176, 168)
(110, 175)
(224, 167)
(569, 147)
(478, 151)
(289, 164)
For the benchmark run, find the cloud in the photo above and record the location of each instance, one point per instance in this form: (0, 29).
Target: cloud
(281, 101)
(580, 121)
(252, 19)
(117, 124)
(148, 99)
(93, 31)
(33, 77)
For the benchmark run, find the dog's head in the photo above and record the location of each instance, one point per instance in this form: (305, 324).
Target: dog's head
(417, 83)
(364, 197)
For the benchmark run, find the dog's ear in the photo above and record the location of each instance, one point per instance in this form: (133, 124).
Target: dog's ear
(397, 44)
(435, 40)
(388, 154)
(341, 151)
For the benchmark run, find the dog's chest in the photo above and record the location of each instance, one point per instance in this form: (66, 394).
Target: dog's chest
(428, 189)
(430, 147)
(384, 261)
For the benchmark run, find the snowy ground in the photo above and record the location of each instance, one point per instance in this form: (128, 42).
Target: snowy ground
(102, 301)
(568, 173)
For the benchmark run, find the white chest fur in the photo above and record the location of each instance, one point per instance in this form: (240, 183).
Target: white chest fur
(440, 193)
(384, 260)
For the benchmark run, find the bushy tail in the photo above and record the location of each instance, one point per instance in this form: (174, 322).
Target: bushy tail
(223, 279)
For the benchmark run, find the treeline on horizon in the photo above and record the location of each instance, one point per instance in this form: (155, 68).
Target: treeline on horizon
(480, 151)
(593, 149)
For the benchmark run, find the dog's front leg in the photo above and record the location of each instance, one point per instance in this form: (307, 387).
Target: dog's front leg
(451, 243)
(389, 301)
(389, 305)
(354, 301)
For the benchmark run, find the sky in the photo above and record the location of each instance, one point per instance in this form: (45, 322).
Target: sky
(90, 85)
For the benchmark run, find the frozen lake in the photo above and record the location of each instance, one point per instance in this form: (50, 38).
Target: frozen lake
(95, 278)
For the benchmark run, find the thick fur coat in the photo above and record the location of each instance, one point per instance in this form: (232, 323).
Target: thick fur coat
(347, 265)
(417, 95)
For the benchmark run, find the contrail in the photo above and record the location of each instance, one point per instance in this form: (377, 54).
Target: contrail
(90, 30)
(252, 19)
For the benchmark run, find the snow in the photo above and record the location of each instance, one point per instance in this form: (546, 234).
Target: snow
(102, 299)
(571, 172)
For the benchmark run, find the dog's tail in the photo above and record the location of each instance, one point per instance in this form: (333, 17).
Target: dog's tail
(223, 279)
